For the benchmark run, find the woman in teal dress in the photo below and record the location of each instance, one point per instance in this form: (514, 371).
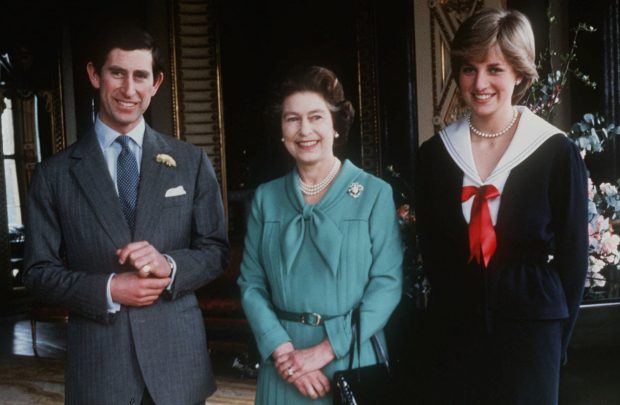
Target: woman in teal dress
(321, 241)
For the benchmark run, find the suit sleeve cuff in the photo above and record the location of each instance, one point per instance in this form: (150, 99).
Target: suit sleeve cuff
(113, 307)
(173, 266)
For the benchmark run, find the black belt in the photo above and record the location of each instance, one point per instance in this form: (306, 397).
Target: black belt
(307, 318)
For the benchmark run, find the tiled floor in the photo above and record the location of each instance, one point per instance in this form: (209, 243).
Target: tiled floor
(16, 339)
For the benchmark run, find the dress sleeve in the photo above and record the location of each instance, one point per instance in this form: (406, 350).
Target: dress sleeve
(384, 288)
(255, 289)
(570, 223)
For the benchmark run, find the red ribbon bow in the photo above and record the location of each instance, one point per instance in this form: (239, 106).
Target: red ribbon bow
(481, 232)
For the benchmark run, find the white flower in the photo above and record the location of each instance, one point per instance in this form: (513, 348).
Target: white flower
(608, 189)
(166, 160)
(609, 244)
(596, 265)
(595, 278)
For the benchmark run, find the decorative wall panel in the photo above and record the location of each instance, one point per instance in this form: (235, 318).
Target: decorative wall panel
(445, 18)
(196, 80)
(368, 110)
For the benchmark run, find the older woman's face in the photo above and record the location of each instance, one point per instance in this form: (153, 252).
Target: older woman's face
(487, 85)
(307, 128)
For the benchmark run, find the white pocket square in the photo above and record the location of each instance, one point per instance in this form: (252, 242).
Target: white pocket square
(175, 191)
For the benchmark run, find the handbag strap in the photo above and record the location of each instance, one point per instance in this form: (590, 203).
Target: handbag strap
(356, 341)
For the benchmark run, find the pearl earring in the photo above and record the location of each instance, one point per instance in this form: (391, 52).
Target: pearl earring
(518, 82)
(336, 134)
(282, 139)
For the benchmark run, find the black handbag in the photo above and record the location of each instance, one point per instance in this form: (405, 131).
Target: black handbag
(367, 385)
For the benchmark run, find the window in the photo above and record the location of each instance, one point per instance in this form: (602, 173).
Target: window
(10, 168)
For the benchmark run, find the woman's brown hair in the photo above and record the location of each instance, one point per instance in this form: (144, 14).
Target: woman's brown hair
(324, 82)
(510, 31)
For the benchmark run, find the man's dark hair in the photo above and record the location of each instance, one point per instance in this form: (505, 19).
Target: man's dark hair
(128, 38)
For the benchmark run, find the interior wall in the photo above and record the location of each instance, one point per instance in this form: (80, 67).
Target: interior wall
(157, 22)
(84, 19)
(396, 85)
(260, 42)
(424, 75)
(29, 47)
(437, 103)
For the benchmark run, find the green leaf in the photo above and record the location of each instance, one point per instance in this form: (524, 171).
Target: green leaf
(577, 128)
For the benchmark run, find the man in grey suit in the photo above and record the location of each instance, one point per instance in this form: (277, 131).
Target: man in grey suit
(123, 227)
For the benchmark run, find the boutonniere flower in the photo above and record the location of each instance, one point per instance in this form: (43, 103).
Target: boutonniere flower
(166, 160)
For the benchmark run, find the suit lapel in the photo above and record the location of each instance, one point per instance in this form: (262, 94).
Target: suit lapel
(91, 173)
(152, 184)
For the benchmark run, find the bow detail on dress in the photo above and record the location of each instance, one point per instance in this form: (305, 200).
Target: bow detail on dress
(482, 242)
(323, 232)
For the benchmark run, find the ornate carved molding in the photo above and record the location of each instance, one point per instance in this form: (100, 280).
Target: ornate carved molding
(27, 138)
(368, 109)
(445, 18)
(53, 105)
(196, 84)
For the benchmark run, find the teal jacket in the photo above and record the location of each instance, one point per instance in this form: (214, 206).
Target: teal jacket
(328, 258)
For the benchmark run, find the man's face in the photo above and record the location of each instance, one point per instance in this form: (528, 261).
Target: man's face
(126, 85)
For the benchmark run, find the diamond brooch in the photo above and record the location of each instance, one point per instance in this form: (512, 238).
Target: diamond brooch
(355, 190)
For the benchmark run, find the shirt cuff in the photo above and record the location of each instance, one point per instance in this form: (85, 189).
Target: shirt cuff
(113, 307)
(173, 265)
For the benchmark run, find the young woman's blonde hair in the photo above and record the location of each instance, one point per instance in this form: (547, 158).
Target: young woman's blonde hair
(510, 31)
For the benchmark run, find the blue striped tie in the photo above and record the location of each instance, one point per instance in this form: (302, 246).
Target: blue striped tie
(127, 178)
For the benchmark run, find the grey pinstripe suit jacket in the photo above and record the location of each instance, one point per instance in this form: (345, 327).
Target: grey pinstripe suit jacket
(74, 226)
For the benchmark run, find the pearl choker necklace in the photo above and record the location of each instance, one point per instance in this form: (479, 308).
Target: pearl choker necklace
(483, 134)
(312, 190)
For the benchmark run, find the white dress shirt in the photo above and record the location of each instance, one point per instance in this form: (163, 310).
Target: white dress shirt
(106, 137)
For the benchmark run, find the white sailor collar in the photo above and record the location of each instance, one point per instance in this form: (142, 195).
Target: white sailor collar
(532, 131)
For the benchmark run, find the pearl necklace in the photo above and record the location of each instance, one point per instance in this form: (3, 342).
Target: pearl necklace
(476, 131)
(312, 190)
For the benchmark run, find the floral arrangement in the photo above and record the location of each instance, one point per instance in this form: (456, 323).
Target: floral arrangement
(604, 242)
(590, 134)
(405, 324)
(544, 94)
(416, 287)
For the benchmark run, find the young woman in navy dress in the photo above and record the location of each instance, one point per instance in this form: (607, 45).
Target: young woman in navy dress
(502, 216)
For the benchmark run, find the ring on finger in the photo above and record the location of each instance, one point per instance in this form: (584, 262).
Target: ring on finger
(146, 269)
(290, 371)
